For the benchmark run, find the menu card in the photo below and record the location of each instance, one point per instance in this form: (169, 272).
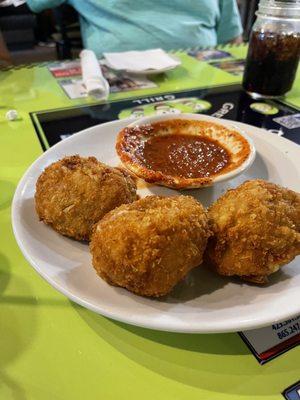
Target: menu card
(271, 341)
(68, 75)
(292, 392)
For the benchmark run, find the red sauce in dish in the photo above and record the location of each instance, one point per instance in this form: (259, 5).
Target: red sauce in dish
(185, 156)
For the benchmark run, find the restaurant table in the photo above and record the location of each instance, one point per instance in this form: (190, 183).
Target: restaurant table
(52, 348)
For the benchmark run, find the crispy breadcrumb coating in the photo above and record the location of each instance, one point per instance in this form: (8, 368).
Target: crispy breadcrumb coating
(256, 230)
(74, 193)
(150, 245)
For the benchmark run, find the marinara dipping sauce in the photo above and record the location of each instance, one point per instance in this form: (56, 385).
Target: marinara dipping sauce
(180, 153)
(186, 156)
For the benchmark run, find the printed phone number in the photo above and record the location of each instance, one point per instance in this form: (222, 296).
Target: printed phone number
(282, 324)
(290, 330)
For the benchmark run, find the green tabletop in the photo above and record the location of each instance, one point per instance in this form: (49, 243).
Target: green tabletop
(51, 348)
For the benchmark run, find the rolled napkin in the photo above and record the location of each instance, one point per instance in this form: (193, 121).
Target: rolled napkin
(92, 77)
(139, 61)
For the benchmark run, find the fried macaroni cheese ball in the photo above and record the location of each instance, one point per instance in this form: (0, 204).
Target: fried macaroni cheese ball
(256, 230)
(148, 246)
(74, 193)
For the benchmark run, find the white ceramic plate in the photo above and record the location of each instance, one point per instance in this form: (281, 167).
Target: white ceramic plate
(204, 302)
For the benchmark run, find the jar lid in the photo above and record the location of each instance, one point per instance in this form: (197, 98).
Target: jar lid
(282, 8)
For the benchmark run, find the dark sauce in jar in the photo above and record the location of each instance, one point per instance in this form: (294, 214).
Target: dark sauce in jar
(271, 63)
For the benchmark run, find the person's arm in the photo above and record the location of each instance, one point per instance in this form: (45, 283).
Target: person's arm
(229, 28)
(4, 53)
(237, 40)
(40, 5)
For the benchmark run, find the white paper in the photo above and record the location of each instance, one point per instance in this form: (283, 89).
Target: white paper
(93, 79)
(155, 59)
(16, 3)
(74, 88)
(264, 339)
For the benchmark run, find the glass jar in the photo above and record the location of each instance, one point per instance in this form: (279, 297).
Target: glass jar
(274, 49)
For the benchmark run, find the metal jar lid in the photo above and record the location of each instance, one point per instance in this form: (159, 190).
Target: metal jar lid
(280, 9)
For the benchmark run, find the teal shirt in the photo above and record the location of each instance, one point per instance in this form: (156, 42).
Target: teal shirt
(121, 25)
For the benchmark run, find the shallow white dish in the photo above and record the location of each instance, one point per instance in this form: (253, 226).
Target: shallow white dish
(203, 303)
(234, 146)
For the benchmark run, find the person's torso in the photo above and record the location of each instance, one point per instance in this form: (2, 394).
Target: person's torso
(121, 25)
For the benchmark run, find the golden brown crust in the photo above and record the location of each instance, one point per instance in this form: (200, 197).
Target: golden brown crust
(256, 230)
(148, 246)
(72, 194)
(130, 138)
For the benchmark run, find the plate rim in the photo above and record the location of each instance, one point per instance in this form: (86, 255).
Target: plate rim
(197, 328)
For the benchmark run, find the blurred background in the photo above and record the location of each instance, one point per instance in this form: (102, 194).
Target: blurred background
(55, 34)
